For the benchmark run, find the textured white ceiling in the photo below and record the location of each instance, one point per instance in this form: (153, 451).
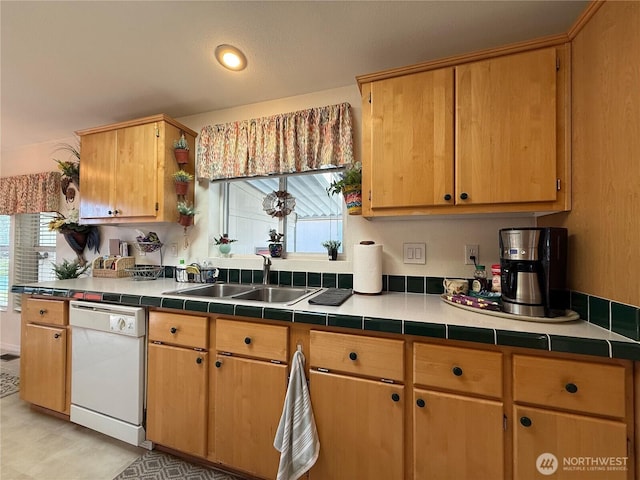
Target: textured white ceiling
(72, 65)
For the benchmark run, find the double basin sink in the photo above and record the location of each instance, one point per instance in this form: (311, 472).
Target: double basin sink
(260, 293)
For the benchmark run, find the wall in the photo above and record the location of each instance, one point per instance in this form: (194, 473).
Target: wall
(604, 223)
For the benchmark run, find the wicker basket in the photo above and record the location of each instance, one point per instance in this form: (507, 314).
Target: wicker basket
(112, 267)
(145, 272)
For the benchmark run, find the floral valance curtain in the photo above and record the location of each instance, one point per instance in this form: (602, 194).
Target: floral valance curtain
(300, 141)
(38, 192)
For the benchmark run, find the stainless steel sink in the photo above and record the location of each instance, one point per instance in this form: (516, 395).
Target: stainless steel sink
(214, 290)
(274, 294)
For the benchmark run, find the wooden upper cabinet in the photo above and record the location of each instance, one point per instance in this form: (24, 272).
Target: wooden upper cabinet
(506, 129)
(126, 171)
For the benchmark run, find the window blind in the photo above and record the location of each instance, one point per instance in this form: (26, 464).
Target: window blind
(5, 226)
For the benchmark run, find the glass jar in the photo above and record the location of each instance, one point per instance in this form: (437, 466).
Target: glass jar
(479, 283)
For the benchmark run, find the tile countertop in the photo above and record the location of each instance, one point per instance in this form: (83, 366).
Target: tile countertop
(401, 313)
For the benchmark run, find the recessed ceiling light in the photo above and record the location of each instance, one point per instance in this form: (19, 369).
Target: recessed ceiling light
(231, 57)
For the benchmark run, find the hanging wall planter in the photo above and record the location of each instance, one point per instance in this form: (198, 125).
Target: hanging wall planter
(185, 220)
(353, 199)
(181, 150)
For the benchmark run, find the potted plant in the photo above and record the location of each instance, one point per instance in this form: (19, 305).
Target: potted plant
(332, 247)
(182, 180)
(70, 169)
(224, 243)
(77, 236)
(187, 212)
(67, 269)
(181, 150)
(350, 185)
(275, 243)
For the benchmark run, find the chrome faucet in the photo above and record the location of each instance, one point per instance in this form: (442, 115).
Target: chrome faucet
(266, 268)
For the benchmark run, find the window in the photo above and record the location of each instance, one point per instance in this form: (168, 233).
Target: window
(316, 217)
(5, 225)
(34, 249)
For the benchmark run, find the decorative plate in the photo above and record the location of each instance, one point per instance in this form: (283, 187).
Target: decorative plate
(279, 203)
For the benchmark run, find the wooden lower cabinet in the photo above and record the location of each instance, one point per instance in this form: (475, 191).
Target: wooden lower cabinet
(44, 366)
(583, 447)
(456, 436)
(249, 396)
(177, 398)
(361, 427)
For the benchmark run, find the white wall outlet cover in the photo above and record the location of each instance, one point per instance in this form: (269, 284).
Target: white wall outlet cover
(470, 250)
(414, 253)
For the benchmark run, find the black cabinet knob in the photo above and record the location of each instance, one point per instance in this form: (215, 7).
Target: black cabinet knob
(457, 371)
(199, 360)
(525, 421)
(42, 312)
(173, 330)
(247, 340)
(571, 387)
(420, 403)
(110, 212)
(395, 397)
(57, 335)
(464, 196)
(447, 197)
(353, 356)
(218, 363)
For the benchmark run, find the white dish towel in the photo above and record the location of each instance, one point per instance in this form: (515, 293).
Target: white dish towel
(296, 438)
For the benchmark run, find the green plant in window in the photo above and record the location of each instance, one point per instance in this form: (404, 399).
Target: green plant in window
(351, 176)
(66, 269)
(331, 244)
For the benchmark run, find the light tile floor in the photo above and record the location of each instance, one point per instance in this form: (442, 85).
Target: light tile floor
(34, 445)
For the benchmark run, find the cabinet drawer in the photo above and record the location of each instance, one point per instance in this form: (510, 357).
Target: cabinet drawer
(368, 356)
(460, 369)
(51, 312)
(573, 385)
(177, 329)
(255, 340)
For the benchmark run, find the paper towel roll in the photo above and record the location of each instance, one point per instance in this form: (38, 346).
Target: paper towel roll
(367, 268)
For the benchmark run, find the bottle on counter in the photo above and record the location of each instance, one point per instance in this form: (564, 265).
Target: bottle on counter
(479, 283)
(496, 285)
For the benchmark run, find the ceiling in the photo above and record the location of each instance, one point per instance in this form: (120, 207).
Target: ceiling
(70, 65)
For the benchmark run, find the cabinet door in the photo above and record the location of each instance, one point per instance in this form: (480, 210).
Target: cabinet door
(43, 366)
(506, 129)
(136, 171)
(177, 396)
(97, 175)
(571, 444)
(411, 141)
(457, 437)
(249, 400)
(360, 424)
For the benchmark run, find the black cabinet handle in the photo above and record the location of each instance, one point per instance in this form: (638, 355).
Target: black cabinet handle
(173, 330)
(42, 312)
(447, 197)
(247, 340)
(525, 421)
(353, 356)
(571, 387)
(57, 335)
(457, 371)
(395, 397)
(199, 360)
(420, 403)
(218, 363)
(464, 196)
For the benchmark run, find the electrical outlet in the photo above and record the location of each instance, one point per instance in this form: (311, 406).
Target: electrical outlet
(414, 253)
(471, 251)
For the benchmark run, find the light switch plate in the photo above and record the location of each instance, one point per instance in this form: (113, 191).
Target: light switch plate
(414, 253)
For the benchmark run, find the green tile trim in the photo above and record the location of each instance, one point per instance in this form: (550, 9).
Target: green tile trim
(246, 276)
(273, 277)
(415, 284)
(539, 341)
(580, 304)
(471, 334)
(435, 330)
(278, 314)
(599, 312)
(629, 351)
(234, 275)
(345, 280)
(248, 311)
(329, 280)
(314, 279)
(312, 318)
(434, 285)
(173, 303)
(586, 346)
(345, 321)
(128, 299)
(151, 301)
(625, 320)
(65, 293)
(223, 275)
(224, 308)
(397, 283)
(18, 289)
(286, 278)
(299, 279)
(385, 283)
(257, 276)
(383, 325)
(112, 297)
(196, 306)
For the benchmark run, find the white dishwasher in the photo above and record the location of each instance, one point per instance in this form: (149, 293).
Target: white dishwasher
(108, 369)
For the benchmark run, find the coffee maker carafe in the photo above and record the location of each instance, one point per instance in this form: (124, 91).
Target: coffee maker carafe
(533, 264)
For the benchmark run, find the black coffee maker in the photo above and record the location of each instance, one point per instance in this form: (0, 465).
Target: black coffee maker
(533, 264)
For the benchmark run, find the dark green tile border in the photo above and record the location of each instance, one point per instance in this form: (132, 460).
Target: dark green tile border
(196, 306)
(278, 314)
(415, 284)
(151, 301)
(129, 299)
(629, 351)
(248, 311)
(329, 280)
(625, 320)
(312, 318)
(538, 341)
(223, 276)
(113, 297)
(383, 325)
(299, 279)
(345, 280)
(580, 304)
(470, 334)
(314, 279)
(173, 303)
(434, 285)
(257, 276)
(234, 275)
(435, 330)
(224, 308)
(345, 321)
(397, 283)
(246, 276)
(599, 311)
(286, 278)
(586, 346)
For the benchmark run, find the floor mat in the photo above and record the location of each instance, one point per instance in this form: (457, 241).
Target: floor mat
(156, 465)
(8, 384)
